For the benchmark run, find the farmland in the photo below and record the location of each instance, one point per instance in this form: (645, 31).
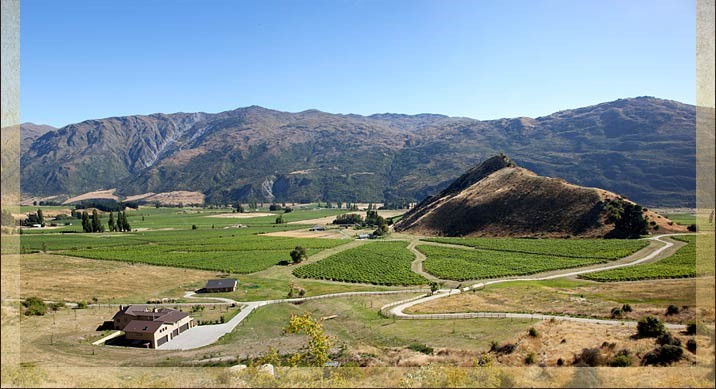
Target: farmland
(680, 265)
(382, 263)
(236, 254)
(570, 248)
(465, 264)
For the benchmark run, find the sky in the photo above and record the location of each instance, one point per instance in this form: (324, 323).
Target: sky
(475, 58)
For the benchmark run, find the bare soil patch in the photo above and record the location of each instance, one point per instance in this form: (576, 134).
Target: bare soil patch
(98, 194)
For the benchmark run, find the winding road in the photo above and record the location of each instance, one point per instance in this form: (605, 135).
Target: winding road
(201, 336)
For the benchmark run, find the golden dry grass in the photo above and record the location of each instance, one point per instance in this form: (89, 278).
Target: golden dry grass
(590, 299)
(98, 194)
(328, 234)
(62, 278)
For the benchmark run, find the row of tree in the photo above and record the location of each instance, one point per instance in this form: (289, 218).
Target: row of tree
(94, 224)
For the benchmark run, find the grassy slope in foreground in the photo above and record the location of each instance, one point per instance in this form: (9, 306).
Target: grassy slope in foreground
(574, 248)
(680, 265)
(463, 264)
(382, 263)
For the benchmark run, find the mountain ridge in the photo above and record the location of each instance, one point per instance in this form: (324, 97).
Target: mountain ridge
(233, 155)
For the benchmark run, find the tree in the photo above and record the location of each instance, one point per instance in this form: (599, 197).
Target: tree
(298, 254)
(320, 344)
(86, 225)
(40, 218)
(125, 222)
(434, 286)
(111, 224)
(279, 220)
(629, 221)
(96, 223)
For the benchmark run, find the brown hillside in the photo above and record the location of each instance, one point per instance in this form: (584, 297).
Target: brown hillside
(498, 198)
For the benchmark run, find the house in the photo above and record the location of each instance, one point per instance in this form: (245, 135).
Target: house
(220, 285)
(317, 228)
(151, 327)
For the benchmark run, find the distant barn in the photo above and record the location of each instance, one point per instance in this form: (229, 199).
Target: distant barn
(220, 285)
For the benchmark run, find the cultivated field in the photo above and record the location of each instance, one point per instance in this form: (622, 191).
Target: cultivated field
(680, 265)
(382, 263)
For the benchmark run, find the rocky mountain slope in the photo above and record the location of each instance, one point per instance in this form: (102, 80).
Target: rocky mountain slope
(499, 198)
(29, 132)
(643, 148)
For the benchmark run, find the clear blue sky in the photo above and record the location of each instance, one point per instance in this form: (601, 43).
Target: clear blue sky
(482, 59)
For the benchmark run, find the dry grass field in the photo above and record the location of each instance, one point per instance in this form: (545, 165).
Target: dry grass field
(580, 298)
(63, 278)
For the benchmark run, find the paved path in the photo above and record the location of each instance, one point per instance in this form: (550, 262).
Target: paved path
(396, 309)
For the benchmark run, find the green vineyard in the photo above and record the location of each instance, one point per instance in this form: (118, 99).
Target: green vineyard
(381, 263)
(681, 264)
(463, 264)
(573, 248)
(237, 253)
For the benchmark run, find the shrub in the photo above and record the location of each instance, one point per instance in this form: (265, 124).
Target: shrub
(421, 348)
(691, 345)
(560, 362)
(616, 312)
(533, 332)
(82, 305)
(194, 227)
(621, 359)
(672, 310)
(56, 306)
(34, 306)
(589, 357)
(494, 345)
(691, 329)
(691, 228)
(663, 355)
(626, 308)
(650, 327)
(531, 358)
(506, 348)
(667, 338)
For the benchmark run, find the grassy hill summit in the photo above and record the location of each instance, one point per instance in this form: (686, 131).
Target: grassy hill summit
(499, 198)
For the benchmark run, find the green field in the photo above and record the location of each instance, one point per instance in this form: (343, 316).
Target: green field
(570, 248)
(237, 254)
(381, 263)
(680, 265)
(684, 219)
(464, 264)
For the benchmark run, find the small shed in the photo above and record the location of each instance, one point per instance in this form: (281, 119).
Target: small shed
(220, 285)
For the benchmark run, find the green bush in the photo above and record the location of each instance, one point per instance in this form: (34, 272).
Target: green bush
(621, 359)
(82, 305)
(421, 348)
(616, 312)
(691, 329)
(650, 327)
(533, 332)
(664, 355)
(34, 306)
(626, 308)
(667, 338)
(56, 306)
(691, 345)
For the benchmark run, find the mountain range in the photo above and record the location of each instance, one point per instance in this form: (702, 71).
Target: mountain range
(642, 148)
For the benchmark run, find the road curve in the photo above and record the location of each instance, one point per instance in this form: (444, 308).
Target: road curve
(396, 309)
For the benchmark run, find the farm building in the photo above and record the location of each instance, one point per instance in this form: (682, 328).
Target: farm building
(151, 327)
(317, 228)
(220, 285)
